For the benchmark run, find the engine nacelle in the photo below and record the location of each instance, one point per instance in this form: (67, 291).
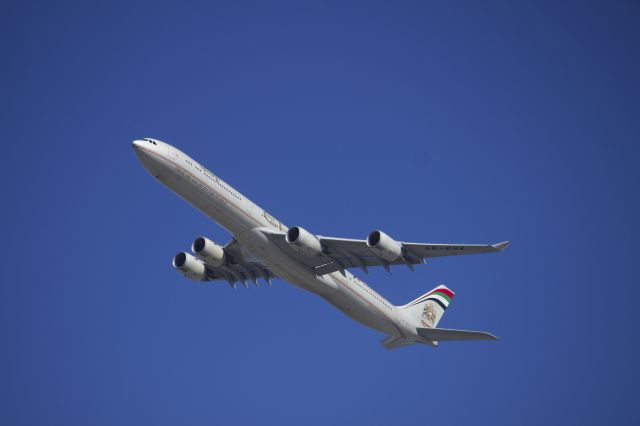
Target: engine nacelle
(304, 242)
(384, 246)
(212, 254)
(190, 267)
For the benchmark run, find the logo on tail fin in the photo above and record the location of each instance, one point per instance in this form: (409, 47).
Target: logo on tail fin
(441, 295)
(428, 316)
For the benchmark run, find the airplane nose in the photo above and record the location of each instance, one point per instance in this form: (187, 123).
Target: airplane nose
(141, 149)
(144, 151)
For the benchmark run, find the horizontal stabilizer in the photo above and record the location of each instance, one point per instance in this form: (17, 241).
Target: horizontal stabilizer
(501, 246)
(448, 334)
(392, 342)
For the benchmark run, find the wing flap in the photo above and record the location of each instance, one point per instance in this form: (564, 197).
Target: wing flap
(336, 264)
(240, 272)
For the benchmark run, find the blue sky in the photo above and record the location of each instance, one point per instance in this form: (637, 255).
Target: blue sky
(434, 121)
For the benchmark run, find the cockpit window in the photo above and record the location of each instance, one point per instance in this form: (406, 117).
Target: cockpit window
(150, 141)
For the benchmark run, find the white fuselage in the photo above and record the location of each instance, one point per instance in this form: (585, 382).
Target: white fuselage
(245, 220)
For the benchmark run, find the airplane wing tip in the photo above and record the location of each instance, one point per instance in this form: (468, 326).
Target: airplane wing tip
(501, 246)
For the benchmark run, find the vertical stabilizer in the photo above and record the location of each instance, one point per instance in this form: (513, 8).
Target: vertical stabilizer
(427, 310)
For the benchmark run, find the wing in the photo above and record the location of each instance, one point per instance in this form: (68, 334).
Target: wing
(339, 254)
(240, 267)
(240, 272)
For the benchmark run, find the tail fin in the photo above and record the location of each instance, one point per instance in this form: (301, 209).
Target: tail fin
(427, 310)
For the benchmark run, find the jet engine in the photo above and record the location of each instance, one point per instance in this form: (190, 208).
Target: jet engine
(384, 246)
(212, 254)
(304, 242)
(190, 267)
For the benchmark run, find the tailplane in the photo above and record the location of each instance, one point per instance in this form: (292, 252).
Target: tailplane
(425, 312)
(437, 334)
(392, 342)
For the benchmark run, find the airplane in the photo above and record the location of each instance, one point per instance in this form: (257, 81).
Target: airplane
(264, 248)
